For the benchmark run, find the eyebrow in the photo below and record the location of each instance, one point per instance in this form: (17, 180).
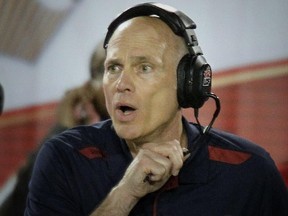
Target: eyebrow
(112, 61)
(137, 59)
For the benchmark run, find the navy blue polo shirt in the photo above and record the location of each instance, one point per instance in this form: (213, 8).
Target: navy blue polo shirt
(74, 172)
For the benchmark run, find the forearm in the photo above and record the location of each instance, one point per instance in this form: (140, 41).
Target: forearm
(117, 203)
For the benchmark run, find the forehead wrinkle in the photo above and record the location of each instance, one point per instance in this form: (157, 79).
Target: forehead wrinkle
(135, 50)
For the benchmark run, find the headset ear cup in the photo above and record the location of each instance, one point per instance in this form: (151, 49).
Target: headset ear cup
(194, 78)
(182, 76)
(202, 81)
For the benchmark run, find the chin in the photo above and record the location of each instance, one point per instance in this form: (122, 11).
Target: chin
(126, 132)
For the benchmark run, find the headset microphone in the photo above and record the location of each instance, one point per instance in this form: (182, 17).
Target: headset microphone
(215, 115)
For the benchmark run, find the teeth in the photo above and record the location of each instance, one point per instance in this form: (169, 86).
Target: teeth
(127, 112)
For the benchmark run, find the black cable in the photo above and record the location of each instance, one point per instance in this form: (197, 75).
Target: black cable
(199, 126)
(215, 115)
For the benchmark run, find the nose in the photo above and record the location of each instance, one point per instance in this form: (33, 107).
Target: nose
(125, 82)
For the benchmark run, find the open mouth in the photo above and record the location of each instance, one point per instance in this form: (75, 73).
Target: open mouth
(126, 110)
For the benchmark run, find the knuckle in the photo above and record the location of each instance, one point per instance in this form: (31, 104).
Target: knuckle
(162, 170)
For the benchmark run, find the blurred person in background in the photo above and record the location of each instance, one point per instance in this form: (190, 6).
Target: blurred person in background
(79, 106)
(97, 62)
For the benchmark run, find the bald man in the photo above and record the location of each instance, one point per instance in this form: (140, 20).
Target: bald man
(138, 162)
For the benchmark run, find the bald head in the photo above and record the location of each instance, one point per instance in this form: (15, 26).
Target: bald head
(150, 30)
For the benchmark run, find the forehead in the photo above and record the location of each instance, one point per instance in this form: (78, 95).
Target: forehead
(142, 32)
(144, 23)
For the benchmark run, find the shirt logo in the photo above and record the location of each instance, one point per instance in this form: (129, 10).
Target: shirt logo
(92, 152)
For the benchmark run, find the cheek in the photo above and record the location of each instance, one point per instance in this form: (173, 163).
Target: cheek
(108, 97)
(164, 101)
(169, 93)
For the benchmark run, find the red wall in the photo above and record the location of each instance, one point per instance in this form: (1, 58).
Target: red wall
(254, 105)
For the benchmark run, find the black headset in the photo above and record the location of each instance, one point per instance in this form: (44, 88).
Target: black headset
(194, 74)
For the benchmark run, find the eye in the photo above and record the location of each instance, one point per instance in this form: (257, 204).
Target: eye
(145, 68)
(114, 68)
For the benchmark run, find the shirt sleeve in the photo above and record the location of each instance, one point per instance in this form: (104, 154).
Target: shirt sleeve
(275, 194)
(49, 189)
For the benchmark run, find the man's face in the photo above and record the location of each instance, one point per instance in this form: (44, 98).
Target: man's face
(140, 82)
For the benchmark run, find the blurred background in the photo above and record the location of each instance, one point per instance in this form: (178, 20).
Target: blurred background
(45, 47)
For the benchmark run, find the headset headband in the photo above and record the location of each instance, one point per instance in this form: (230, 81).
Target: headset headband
(180, 24)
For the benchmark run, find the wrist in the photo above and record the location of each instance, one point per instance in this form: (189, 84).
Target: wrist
(123, 193)
(117, 203)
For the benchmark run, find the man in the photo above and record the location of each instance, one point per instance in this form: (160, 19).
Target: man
(137, 162)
